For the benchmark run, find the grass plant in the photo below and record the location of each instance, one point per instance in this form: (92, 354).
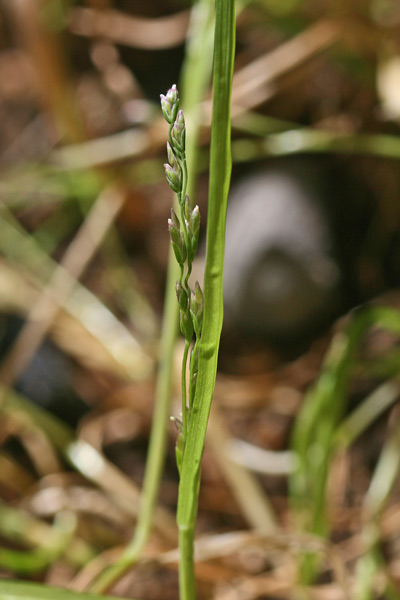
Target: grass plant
(196, 75)
(320, 428)
(318, 433)
(206, 326)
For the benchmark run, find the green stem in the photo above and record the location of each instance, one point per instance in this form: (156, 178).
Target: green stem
(182, 196)
(220, 168)
(185, 178)
(189, 272)
(187, 582)
(157, 443)
(192, 389)
(197, 68)
(184, 388)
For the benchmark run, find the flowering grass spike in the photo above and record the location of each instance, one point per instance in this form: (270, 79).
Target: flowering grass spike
(184, 235)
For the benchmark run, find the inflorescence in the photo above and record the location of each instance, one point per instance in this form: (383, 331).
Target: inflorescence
(184, 235)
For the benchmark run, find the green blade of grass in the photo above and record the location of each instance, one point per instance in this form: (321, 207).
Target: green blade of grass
(318, 422)
(18, 590)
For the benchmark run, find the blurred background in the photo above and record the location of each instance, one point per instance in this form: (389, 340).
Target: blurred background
(312, 233)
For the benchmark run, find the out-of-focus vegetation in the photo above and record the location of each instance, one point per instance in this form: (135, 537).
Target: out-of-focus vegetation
(298, 499)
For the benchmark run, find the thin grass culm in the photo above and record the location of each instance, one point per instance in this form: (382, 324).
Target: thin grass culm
(200, 316)
(184, 236)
